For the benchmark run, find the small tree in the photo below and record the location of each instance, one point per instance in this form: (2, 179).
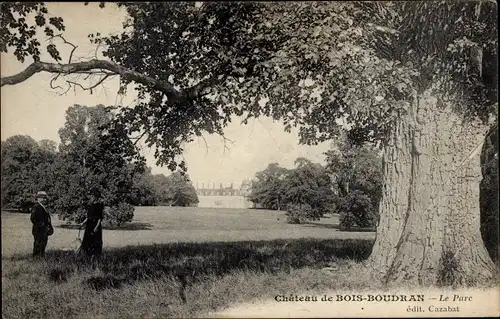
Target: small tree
(267, 187)
(143, 189)
(93, 153)
(356, 209)
(118, 214)
(182, 191)
(357, 172)
(307, 191)
(174, 190)
(299, 213)
(161, 189)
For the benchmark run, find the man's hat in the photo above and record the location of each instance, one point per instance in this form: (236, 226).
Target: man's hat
(41, 194)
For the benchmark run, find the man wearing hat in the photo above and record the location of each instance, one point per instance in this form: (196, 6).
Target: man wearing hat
(42, 226)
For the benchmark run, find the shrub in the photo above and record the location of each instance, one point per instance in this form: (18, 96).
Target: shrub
(117, 215)
(357, 209)
(299, 213)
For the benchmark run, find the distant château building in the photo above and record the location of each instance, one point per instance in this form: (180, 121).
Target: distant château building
(220, 191)
(223, 196)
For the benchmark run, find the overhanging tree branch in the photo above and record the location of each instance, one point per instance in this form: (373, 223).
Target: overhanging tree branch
(36, 67)
(96, 66)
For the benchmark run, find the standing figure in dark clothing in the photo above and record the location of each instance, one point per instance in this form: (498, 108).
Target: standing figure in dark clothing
(42, 226)
(92, 238)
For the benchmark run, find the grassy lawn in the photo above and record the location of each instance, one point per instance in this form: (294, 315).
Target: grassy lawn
(156, 225)
(175, 262)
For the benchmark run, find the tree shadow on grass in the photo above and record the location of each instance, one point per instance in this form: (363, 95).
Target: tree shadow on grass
(318, 225)
(125, 226)
(336, 226)
(191, 262)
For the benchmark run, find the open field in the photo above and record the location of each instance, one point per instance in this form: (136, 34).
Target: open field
(184, 262)
(175, 262)
(157, 225)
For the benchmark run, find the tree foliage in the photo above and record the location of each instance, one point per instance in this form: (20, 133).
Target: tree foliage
(143, 189)
(91, 157)
(304, 191)
(19, 23)
(27, 167)
(357, 210)
(364, 58)
(157, 189)
(181, 190)
(267, 189)
(202, 64)
(308, 191)
(358, 176)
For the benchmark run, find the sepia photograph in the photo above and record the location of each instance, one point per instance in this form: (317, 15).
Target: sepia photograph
(249, 159)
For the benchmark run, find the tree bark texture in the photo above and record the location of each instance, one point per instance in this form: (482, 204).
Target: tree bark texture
(394, 202)
(429, 230)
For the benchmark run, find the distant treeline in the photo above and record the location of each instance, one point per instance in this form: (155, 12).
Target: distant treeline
(89, 155)
(349, 184)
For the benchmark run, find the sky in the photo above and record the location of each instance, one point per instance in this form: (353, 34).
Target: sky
(33, 108)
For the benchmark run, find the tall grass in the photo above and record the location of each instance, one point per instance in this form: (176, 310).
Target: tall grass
(175, 280)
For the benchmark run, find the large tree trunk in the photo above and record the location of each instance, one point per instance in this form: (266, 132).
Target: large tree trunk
(429, 230)
(394, 202)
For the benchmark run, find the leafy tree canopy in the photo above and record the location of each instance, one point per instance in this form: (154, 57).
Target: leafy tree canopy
(27, 167)
(266, 188)
(182, 192)
(90, 157)
(315, 63)
(305, 190)
(357, 172)
(355, 167)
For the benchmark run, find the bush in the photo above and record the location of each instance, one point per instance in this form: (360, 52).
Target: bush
(26, 205)
(357, 209)
(117, 215)
(299, 213)
(77, 215)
